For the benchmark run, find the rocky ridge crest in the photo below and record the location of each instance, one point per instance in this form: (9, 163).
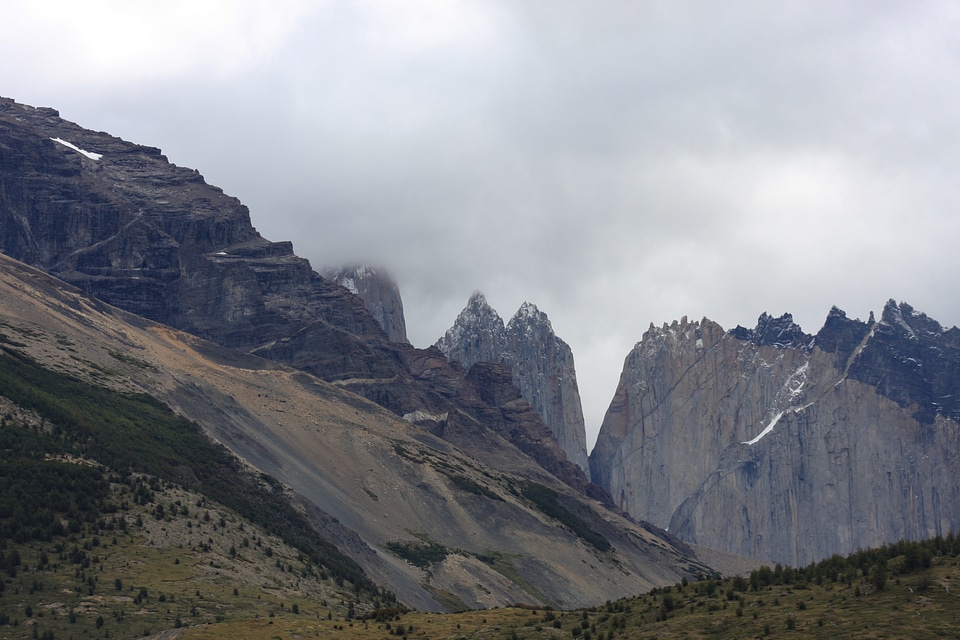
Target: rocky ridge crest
(805, 446)
(540, 362)
(126, 226)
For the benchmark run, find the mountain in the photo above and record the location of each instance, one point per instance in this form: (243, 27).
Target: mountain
(541, 364)
(435, 526)
(380, 295)
(446, 487)
(124, 225)
(788, 447)
(477, 335)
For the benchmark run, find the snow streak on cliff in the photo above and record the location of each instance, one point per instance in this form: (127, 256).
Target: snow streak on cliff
(785, 446)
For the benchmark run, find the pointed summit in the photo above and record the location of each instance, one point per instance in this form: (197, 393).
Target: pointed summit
(541, 364)
(476, 336)
(780, 332)
(544, 371)
(529, 311)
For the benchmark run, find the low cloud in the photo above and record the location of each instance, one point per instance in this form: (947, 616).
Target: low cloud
(615, 163)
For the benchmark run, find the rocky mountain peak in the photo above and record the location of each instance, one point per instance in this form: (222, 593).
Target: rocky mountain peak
(910, 324)
(842, 336)
(541, 364)
(911, 359)
(683, 336)
(780, 332)
(477, 335)
(805, 446)
(528, 313)
(380, 295)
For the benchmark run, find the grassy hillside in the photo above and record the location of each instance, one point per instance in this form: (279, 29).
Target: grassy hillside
(118, 519)
(902, 591)
(116, 514)
(177, 560)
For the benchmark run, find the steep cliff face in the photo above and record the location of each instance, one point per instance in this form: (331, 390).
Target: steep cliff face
(120, 222)
(124, 225)
(366, 478)
(541, 365)
(788, 447)
(543, 369)
(380, 294)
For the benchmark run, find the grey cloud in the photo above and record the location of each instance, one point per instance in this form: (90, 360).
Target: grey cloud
(615, 163)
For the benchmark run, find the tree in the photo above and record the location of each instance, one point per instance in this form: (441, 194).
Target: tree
(878, 577)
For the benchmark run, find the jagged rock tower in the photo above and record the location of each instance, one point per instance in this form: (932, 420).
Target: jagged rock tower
(124, 225)
(380, 295)
(542, 365)
(784, 446)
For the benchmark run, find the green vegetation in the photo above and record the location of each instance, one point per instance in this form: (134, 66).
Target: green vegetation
(914, 602)
(40, 498)
(466, 484)
(119, 519)
(175, 561)
(128, 434)
(419, 555)
(547, 501)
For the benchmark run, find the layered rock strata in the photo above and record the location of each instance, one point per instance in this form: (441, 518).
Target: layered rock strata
(363, 476)
(787, 447)
(124, 225)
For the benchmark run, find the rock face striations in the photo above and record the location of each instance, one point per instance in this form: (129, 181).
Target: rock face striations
(124, 225)
(540, 362)
(367, 479)
(121, 224)
(380, 294)
(787, 447)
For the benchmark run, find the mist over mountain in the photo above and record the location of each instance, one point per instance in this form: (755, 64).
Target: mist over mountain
(765, 442)
(379, 292)
(446, 486)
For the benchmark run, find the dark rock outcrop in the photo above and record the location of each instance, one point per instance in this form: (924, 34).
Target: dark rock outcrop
(365, 478)
(124, 225)
(787, 448)
(521, 425)
(913, 361)
(774, 332)
(153, 238)
(540, 362)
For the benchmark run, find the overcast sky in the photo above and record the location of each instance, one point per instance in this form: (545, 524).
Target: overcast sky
(615, 163)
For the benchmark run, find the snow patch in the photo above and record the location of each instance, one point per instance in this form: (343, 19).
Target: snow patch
(767, 429)
(795, 382)
(88, 154)
(350, 284)
(527, 310)
(900, 322)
